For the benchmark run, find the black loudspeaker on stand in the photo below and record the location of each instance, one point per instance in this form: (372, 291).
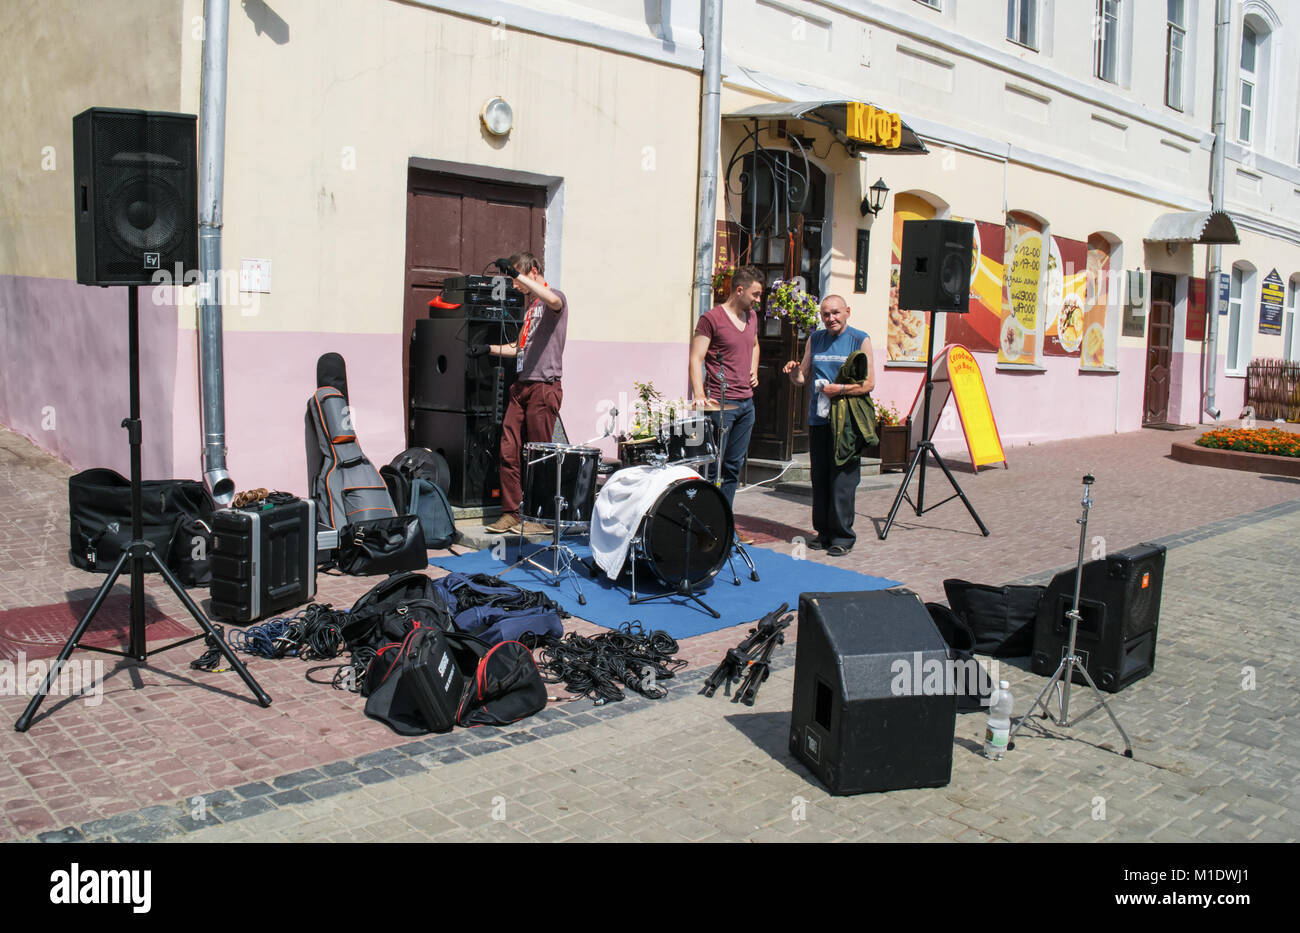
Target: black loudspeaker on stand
(136, 178)
(136, 214)
(858, 721)
(934, 276)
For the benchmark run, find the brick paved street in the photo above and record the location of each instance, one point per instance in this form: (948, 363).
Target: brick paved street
(172, 753)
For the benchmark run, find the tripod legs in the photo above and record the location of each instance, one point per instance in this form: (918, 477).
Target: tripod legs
(923, 450)
(137, 650)
(1057, 679)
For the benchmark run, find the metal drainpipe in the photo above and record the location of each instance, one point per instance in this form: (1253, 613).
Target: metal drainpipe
(212, 148)
(710, 134)
(1213, 256)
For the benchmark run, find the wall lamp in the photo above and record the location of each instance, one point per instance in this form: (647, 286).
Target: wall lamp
(874, 202)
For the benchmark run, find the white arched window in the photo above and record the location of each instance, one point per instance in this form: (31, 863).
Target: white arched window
(1241, 303)
(1254, 68)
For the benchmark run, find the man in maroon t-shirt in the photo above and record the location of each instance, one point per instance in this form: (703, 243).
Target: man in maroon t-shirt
(536, 393)
(726, 340)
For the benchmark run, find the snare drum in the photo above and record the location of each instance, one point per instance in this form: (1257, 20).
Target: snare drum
(577, 482)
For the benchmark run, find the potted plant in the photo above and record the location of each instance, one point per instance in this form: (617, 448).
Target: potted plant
(894, 432)
(722, 273)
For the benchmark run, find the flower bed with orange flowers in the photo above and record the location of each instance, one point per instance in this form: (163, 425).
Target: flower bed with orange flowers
(1272, 441)
(1257, 450)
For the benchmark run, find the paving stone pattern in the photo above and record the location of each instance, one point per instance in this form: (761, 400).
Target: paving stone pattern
(174, 754)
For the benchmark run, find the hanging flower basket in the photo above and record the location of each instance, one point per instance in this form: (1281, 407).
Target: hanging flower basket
(788, 301)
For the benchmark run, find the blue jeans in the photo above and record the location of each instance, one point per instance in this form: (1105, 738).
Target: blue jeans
(739, 422)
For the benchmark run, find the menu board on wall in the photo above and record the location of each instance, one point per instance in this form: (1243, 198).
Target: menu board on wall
(1022, 264)
(1067, 276)
(905, 337)
(978, 328)
(1272, 295)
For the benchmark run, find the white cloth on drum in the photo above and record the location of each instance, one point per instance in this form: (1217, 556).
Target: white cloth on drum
(623, 501)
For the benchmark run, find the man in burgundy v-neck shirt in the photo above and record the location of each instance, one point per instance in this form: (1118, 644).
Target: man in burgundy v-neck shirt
(726, 340)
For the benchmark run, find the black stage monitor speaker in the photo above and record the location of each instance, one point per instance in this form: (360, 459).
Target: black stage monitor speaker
(935, 270)
(136, 195)
(866, 714)
(1119, 608)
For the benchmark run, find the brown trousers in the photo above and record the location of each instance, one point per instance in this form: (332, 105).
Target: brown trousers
(530, 418)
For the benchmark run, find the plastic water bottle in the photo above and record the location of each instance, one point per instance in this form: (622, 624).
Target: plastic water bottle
(999, 725)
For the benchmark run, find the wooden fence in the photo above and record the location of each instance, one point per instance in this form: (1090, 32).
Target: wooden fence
(1273, 389)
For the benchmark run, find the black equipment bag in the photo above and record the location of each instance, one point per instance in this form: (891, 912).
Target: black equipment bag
(971, 696)
(377, 618)
(417, 481)
(1001, 618)
(382, 545)
(398, 684)
(507, 687)
(189, 554)
(99, 510)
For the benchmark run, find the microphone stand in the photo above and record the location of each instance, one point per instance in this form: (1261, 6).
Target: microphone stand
(723, 430)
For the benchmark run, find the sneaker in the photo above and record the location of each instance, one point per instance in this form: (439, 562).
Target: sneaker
(507, 522)
(743, 538)
(537, 528)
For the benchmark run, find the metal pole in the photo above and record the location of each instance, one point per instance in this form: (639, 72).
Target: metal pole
(212, 149)
(1213, 256)
(710, 135)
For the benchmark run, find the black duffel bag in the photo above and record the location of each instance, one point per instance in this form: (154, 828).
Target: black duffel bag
(1000, 617)
(382, 545)
(99, 511)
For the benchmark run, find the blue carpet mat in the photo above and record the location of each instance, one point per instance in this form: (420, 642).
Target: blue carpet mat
(781, 579)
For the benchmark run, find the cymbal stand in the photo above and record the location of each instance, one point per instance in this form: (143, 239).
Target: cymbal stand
(562, 556)
(1070, 659)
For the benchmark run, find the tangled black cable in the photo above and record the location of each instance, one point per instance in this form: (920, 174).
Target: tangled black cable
(594, 666)
(467, 597)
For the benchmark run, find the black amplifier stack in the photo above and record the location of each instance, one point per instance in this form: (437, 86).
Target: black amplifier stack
(457, 401)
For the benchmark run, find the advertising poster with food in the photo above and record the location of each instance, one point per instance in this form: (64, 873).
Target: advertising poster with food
(906, 335)
(1067, 279)
(1092, 349)
(1022, 261)
(978, 328)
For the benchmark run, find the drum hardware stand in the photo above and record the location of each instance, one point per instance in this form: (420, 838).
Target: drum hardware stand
(562, 555)
(924, 449)
(723, 429)
(137, 554)
(684, 587)
(1071, 660)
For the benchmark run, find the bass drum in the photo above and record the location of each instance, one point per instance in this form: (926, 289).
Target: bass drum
(693, 507)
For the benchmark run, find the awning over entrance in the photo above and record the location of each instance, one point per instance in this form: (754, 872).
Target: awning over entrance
(1193, 227)
(857, 126)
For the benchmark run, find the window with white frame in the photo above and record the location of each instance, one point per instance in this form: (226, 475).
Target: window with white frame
(1175, 52)
(1106, 32)
(933, 4)
(1022, 22)
(1247, 85)
(1240, 302)
(1290, 321)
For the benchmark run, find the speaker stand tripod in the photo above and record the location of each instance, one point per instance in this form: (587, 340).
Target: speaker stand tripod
(135, 557)
(926, 449)
(1064, 675)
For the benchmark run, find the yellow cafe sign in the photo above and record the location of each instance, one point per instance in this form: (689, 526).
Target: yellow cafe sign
(866, 124)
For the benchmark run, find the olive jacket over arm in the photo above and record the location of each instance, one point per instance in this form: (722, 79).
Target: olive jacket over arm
(853, 420)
